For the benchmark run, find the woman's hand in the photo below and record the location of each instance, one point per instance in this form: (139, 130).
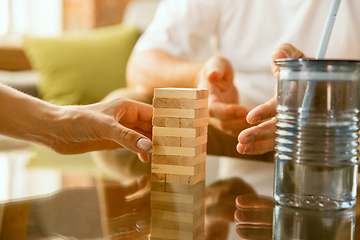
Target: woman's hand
(119, 123)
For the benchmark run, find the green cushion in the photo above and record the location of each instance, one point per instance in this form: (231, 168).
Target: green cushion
(81, 68)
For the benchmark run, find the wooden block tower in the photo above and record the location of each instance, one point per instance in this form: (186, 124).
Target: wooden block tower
(180, 126)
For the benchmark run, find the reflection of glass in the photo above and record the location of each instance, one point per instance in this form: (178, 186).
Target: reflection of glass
(294, 223)
(316, 160)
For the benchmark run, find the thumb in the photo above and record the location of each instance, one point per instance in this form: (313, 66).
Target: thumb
(215, 73)
(219, 68)
(131, 140)
(285, 50)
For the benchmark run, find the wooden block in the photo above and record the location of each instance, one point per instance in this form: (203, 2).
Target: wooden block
(204, 148)
(165, 159)
(181, 113)
(158, 158)
(183, 179)
(158, 121)
(158, 177)
(194, 104)
(192, 161)
(175, 225)
(171, 234)
(159, 102)
(194, 122)
(199, 168)
(185, 189)
(201, 112)
(181, 93)
(158, 186)
(177, 197)
(202, 130)
(172, 169)
(178, 151)
(172, 141)
(173, 103)
(158, 141)
(193, 142)
(179, 160)
(178, 170)
(174, 234)
(175, 132)
(165, 224)
(178, 217)
(172, 122)
(177, 207)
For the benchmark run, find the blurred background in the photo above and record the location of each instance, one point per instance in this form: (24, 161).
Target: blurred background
(46, 24)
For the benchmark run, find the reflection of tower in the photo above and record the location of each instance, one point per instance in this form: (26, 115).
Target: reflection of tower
(178, 163)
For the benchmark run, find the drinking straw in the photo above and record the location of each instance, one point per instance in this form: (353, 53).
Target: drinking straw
(321, 52)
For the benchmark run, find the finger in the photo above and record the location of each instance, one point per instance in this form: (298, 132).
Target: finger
(225, 111)
(285, 50)
(145, 126)
(135, 186)
(219, 68)
(143, 156)
(257, 148)
(130, 139)
(262, 132)
(130, 111)
(254, 215)
(145, 112)
(253, 231)
(232, 127)
(262, 112)
(254, 201)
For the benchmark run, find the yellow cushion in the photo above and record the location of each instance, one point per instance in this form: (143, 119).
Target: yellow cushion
(81, 68)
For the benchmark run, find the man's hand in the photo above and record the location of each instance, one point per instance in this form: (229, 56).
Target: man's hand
(260, 139)
(225, 112)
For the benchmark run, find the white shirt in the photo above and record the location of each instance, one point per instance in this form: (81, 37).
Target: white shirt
(248, 31)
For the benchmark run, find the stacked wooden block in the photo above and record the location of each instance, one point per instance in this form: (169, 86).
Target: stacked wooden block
(180, 126)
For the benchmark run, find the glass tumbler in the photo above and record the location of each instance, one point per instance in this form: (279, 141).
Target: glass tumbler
(317, 133)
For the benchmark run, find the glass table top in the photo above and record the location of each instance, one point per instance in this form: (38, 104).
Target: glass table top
(107, 195)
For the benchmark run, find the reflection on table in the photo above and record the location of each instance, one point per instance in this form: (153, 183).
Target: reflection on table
(107, 195)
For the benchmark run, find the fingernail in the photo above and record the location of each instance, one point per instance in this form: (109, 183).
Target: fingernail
(248, 149)
(144, 144)
(255, 119)
(248, 139)
(279, 49)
